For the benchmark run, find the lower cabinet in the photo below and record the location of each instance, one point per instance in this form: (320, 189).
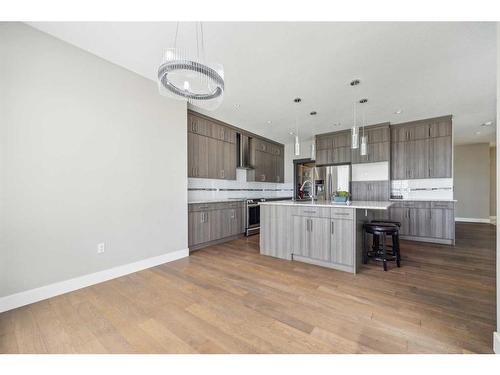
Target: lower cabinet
(214, 221)
(329, 240)
(342, 242)
(425, 221)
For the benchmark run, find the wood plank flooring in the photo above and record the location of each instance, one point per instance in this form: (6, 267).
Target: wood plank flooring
(229, 299)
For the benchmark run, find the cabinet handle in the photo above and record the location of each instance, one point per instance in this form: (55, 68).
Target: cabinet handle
(332, 227)
(203, 207)
(309, 212)
(311, 224)
(222, 172)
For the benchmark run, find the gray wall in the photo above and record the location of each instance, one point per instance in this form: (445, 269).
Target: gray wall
(472, 180)
(493, 181)
(89, 153)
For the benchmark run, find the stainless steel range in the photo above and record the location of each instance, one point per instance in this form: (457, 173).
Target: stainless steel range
(253, 213)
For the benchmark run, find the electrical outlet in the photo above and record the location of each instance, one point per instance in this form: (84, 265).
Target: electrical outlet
(100, 248)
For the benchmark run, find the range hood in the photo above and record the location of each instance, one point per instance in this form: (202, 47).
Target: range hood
(243, 143)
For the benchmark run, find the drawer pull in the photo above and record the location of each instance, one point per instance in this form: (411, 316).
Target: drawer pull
(309, 212)
(341, 213)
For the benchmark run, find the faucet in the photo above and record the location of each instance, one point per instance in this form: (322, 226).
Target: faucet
(311, 183)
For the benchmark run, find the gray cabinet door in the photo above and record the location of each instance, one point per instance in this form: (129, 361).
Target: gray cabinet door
(442, 223)
(398, 161)
(215, 224)
(378, 134)
(198, 149)
(420, 222)
(417, 159)
(215, 158)
(198, 227)
(401, 214)
(319, 238)
(279, 168)
(379, 151)
(300, 235)
(230, 222)
(340, 155)
(229, 161)
(341, 241)
(420, 131)
(441, 127)
(322, 156)
(440, 157)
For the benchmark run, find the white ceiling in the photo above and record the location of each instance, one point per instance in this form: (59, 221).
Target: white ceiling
(425, 69)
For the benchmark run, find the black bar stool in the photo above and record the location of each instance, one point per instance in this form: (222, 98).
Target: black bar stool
(380, 231)
(376, 239)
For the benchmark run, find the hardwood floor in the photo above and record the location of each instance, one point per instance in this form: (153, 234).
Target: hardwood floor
(229, 299)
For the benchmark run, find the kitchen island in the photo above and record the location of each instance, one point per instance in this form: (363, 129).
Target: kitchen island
(319, 232)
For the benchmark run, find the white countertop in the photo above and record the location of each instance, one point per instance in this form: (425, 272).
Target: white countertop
(423, 200)
(227, 200)
(364, 205)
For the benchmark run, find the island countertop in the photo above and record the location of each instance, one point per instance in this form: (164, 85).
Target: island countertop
(363, 205)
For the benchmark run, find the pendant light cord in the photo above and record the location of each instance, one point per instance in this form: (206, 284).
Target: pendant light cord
(176, 32)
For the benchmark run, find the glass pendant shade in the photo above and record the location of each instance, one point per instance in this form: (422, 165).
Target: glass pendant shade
(297, 146)
(364, 146)
(182, 75)
(355, 137)
(313, 151)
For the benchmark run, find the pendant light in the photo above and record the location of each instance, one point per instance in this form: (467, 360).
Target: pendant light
(313, 150)
(185, 74)
(354, 129)
(354, 132)
(297, 142)
(364, 138)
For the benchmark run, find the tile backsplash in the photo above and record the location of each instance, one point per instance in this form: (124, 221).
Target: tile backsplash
(432, 188)
(208, 189)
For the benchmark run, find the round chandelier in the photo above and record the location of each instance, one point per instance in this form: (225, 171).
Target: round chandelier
(184, 74)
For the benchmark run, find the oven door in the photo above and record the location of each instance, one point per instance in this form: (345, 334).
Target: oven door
(253, 219)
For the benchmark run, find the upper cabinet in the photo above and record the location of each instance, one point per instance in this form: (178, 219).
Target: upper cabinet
(211, 149)
(379, 147)
(422, 149)
(333, 148)
(267, 158)
(212, 152)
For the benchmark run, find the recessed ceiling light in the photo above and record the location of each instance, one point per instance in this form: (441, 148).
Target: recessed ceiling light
(355, 82)
(487, 123)
(313, 113)
(363, 101)
(297, 100)
(478, 132)
(398, 111)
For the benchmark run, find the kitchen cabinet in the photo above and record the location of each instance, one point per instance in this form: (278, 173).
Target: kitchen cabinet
(211, 149)
(333, 148)
(440, 157)
(268, 161)
(342, 242)
(197, 155)
(214, 222)
(370, 190)
(422, 149)
(425, 221)
(378, 151)
(311, 237)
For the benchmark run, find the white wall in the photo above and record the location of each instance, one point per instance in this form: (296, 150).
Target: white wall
(89, 153)
(472, 180)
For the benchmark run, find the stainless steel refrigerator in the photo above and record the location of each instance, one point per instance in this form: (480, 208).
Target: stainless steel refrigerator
(330, 179)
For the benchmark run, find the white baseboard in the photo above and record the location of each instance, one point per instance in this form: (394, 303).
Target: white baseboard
(493, 220)
(34, 295)
(496, 342)
(472, 220)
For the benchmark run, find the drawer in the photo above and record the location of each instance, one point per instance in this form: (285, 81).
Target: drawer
(312, 211)
(342, 213)
(225, 205)
(445, 205)
(192, 207)
(411, 204)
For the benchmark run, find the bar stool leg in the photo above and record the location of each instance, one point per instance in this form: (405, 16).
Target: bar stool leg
(384, 253)
(365, 249)
(395, 239)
